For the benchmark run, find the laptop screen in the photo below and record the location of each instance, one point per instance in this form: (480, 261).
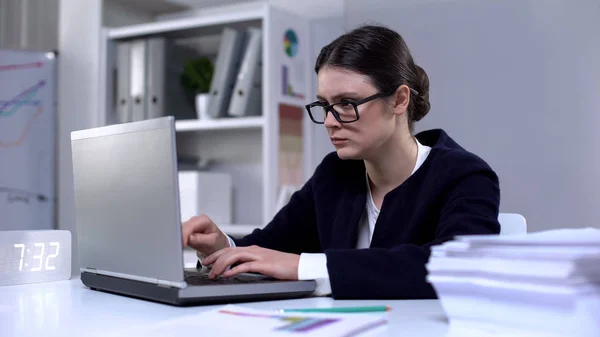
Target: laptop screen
(126, 199)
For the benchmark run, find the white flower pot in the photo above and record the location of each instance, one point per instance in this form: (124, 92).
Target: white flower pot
(202, 106)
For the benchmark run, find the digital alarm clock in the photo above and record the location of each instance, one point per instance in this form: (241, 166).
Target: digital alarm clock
(34, 256)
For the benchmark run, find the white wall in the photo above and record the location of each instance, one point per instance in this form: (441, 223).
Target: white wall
(517, 82)
(322, 32)
(78, 73)
(29, 24)
(115, 14)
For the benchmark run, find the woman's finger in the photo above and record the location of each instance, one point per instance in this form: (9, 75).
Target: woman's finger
(227, 260)
(197, 224)
(215, 256)
(202, 242)
(248, 267)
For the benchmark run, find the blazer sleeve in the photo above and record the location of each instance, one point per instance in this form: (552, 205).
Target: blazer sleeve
(294, 227)
(471, 207)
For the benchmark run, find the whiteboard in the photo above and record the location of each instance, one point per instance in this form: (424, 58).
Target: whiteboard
(27, 140)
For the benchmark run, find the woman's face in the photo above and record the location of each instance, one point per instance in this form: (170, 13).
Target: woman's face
(377, 118)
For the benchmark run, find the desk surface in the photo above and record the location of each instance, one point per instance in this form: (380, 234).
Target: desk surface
(68, 308)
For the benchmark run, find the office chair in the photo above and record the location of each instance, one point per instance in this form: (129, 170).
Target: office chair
(512, 223)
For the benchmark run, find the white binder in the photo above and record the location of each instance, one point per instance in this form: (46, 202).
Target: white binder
(165, 61)
(148, 80)
(123, 108)
(226, 69)
(246, 98)
(155, 78)
(137, 80)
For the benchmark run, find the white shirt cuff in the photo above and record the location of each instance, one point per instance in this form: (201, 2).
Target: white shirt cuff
(314, 267)
(231, 243)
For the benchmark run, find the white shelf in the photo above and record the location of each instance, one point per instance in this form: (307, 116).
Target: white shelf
(220, 124)
(238, 230)
(247, 148)
(161, 27)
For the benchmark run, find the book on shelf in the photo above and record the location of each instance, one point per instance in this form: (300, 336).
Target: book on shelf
(246, 97)
(226, 68)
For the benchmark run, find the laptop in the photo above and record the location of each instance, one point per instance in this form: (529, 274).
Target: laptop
(129, 227)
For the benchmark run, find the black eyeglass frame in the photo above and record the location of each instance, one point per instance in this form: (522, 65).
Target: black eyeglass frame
(355, 104)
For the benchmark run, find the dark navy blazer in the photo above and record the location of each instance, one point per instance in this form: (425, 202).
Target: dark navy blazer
(454, 192)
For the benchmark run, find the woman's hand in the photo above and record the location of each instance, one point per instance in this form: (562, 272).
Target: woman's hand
(255, 259)
(201, 233)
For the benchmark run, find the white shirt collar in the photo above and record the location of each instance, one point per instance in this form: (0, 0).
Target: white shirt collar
(422, 153)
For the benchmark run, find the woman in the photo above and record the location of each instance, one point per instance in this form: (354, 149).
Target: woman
(363, 225)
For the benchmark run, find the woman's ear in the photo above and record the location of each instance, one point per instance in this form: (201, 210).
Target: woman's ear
(401, 99)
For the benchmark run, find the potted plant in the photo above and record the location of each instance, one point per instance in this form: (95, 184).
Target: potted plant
(195, 78)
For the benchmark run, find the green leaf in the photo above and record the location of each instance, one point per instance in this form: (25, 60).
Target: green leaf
(197, 75)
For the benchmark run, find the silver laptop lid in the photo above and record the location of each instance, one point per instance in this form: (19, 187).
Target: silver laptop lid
(127, 201)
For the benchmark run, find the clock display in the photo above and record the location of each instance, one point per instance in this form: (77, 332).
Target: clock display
(39, 256)
(34, 256)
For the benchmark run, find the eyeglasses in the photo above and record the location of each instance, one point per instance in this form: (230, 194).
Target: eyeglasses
(345, 111)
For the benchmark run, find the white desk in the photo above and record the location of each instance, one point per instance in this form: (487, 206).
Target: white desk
(68, 308)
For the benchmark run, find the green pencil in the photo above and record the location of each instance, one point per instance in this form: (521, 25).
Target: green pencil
(376, 308)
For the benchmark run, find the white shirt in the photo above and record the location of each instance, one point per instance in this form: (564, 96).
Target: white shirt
(313, 266)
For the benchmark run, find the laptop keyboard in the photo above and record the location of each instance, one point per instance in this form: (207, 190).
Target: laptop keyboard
(197, 278)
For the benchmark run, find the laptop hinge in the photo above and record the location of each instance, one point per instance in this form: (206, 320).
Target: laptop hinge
(160, 283)
(166, 284)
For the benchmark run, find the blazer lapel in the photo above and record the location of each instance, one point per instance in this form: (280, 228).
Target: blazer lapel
(349, 210)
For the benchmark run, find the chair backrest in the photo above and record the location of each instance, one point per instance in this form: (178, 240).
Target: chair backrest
(512, 223)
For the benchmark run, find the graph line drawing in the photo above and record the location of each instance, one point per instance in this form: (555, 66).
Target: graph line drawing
(20, 99)
(28, 139)
(13, 105)
(297, 324)
(21, 66)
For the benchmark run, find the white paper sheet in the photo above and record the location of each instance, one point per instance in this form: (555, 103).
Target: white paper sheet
(563, 236)
(235, 321)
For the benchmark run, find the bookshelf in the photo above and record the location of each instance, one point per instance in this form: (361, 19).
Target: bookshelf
(252, 149)
(237, 230)
(219, 124)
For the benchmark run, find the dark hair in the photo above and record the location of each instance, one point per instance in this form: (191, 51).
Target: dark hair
(381, 54)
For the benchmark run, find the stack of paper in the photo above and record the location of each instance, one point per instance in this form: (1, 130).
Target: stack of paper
(539, 284)
(236, 321)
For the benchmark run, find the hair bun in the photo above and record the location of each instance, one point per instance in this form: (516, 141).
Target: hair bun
(421, 103)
